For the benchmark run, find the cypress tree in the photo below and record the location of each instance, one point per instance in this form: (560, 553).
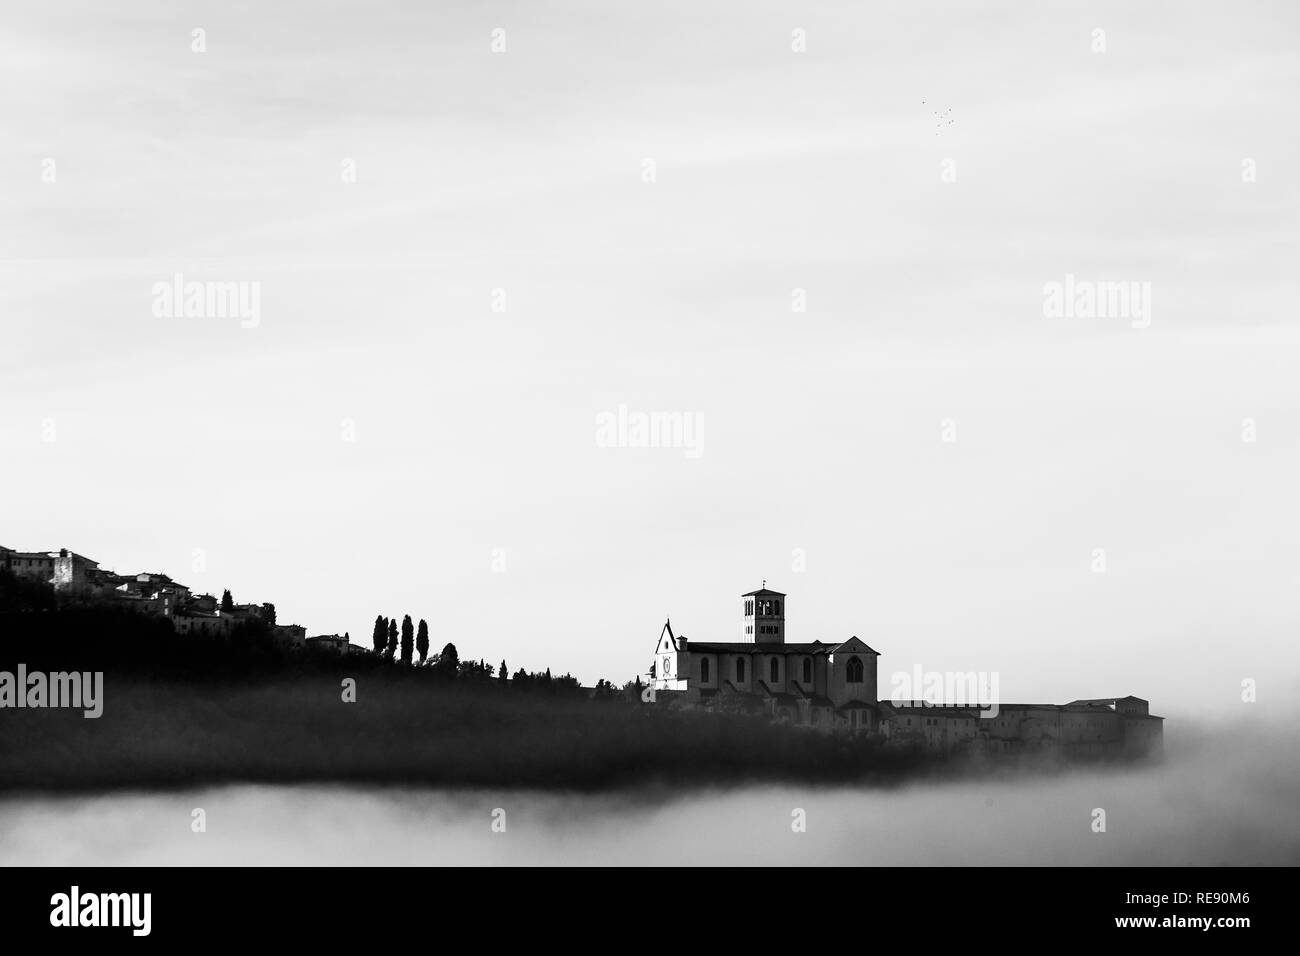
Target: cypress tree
(422, 640)
(408, 639)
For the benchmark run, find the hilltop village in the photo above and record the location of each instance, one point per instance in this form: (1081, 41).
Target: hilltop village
(831, 686)
(160, 596)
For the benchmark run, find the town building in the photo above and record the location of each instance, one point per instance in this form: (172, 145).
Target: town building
(290, 636)
(62, 568)
(329, 644)
(147, 593)
(200, 622)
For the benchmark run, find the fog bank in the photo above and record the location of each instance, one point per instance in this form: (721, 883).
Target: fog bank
(1216, 800)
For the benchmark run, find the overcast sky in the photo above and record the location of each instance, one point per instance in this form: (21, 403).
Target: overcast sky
(137, 439)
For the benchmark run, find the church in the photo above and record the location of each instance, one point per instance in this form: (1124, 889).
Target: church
(816, 684)
(832, 687)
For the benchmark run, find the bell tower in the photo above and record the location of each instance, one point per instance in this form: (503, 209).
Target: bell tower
(763, 617)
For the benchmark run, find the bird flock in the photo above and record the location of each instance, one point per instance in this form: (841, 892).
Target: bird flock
(941, 119)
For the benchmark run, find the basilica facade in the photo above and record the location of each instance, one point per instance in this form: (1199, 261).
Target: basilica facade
(831, 685)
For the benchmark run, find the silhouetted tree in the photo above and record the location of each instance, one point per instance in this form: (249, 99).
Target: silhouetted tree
(227, 602)
(379, 637)
(268, 613)
(449, 660)
(392, 637)
(503, 675)
(422, 639)
(408, 639)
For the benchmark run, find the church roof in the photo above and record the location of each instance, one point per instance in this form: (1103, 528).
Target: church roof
(744, 647)
(764, 591)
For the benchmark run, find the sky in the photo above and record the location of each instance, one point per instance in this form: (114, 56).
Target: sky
(822, 234)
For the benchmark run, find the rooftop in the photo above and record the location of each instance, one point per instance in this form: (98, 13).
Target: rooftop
(746, 647)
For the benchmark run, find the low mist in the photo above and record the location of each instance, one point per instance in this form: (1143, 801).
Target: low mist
(1226, 797)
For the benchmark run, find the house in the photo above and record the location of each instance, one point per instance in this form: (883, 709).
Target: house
(290, 636)
(62, 568)
(328, 644)
(200, 622)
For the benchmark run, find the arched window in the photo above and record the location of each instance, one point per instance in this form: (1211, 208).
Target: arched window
(774, 671)
(807, 670)
(704, 670)
(740, 670)
(778, 607)
(853, 670)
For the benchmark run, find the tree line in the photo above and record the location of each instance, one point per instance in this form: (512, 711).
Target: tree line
(408, 643)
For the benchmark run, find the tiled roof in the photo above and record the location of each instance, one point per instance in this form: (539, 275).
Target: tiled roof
(744, 647)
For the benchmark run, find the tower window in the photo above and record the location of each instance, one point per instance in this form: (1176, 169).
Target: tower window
(853, 670)
(740, 670)
(807, 670)
(704, 670)
(774, 671)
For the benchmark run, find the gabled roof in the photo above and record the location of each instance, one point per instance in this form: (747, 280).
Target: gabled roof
(764, 591)
(667, 629)
(855, 643)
